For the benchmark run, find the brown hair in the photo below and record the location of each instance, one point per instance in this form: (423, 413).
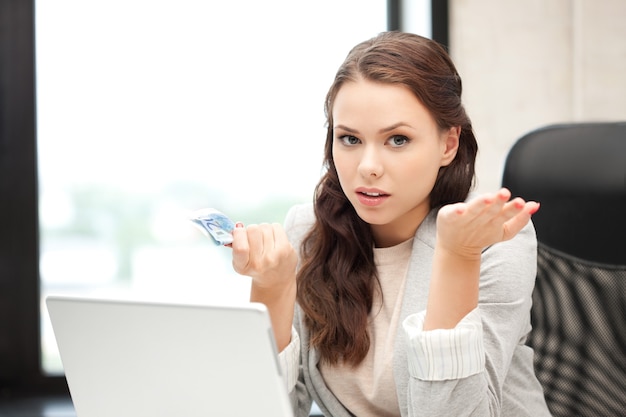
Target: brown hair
(338, 276)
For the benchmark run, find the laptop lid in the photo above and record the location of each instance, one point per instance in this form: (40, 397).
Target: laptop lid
(136, 358)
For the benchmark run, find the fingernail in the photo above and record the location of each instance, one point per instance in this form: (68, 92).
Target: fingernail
(238, 225)
(534, 210)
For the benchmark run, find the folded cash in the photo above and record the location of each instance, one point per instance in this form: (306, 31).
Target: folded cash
(215, 224)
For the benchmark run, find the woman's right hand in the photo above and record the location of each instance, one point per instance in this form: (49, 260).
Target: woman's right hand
(264, 253)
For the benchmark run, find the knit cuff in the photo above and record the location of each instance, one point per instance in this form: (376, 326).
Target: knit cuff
(289, 361)
(443, 354)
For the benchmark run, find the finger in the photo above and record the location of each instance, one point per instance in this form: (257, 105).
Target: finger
(498, 207)
(496, 202)
(238, 225)
(513, 208)
(469, 210)
(269, 241)
(504, 194)
(256, 240)
(452, 209)
(282, 243)
(240, 237)
(241, 248)
(486, 206)
(518, 221)
(281, 240)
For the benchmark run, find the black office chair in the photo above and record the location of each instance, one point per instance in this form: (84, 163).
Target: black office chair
(577, 173)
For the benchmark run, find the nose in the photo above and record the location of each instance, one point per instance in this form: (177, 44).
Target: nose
(371, 164)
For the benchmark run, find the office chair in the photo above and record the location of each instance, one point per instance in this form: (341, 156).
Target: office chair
(577, 173)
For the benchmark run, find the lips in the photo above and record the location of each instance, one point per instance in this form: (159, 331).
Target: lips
(371, 197)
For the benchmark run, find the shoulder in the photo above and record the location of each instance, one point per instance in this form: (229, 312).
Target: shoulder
(511, 266)
(299, 220)
(523, 245)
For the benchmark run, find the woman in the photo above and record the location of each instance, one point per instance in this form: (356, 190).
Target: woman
(395, 294)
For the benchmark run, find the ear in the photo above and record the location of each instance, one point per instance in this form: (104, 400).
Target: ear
(450, 145)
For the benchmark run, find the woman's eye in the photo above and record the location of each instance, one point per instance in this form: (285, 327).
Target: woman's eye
(398, 140)
(349, 140)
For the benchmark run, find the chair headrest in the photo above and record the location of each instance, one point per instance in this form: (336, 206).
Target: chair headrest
(578, 174)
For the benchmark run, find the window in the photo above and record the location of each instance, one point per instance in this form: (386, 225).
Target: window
(145, 111)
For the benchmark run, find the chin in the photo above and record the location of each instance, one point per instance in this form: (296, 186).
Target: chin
(372, 217)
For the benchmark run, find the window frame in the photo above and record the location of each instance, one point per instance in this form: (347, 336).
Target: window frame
(20, 372)
(20, 340)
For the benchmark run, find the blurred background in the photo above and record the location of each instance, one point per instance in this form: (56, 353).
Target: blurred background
(120, 118)
(166, 108)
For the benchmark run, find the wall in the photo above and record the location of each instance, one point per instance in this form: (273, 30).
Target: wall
(526, 64)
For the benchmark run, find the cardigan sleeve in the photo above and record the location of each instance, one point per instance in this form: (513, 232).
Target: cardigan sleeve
(507, 279)
(289, 361)
(442, 354)
(297, 223)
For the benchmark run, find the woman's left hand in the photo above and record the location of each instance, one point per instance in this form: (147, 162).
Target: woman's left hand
(467, 228)
(463, 231)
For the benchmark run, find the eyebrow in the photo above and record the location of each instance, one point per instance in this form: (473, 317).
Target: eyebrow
(383, 130)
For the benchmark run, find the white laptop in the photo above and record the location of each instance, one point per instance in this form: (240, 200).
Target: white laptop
(149, 359)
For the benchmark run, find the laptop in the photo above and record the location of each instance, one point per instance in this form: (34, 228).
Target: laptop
(128, 358)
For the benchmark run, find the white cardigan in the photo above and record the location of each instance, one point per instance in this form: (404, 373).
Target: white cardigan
(500, 382)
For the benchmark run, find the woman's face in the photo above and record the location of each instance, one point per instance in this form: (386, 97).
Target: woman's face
(387, 150)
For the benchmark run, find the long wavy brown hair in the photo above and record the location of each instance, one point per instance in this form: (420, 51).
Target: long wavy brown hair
(337, 278)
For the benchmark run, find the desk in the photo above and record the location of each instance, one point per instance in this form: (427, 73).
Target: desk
(44, 406)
